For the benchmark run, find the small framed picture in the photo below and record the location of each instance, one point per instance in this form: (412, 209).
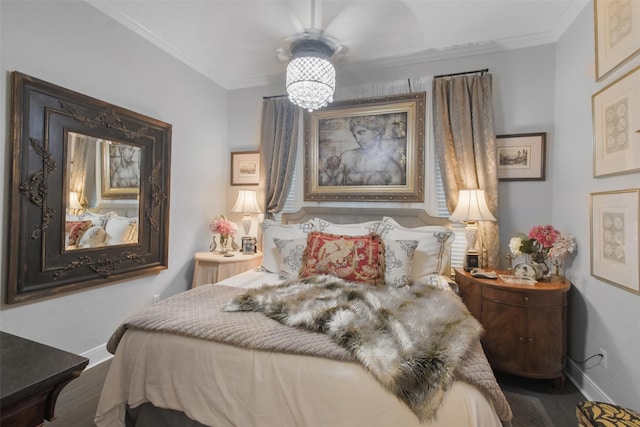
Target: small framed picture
(616, 132)
(245, 168)
(521, 157)
(249, 245)
(614, 238)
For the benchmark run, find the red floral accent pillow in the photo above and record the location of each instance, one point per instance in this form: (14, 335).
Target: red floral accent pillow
(76, 229)
(353, 258)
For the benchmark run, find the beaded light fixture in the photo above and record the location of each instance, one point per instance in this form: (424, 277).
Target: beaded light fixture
(311, 77)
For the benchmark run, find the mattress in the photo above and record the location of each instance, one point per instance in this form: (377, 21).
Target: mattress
(222, 385)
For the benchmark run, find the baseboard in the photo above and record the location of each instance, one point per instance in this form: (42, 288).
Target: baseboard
(97, 355)
(586, 385)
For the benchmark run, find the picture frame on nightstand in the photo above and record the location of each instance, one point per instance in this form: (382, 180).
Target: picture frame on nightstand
(249, 245)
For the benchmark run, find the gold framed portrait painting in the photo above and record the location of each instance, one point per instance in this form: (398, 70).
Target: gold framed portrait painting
(369, 149)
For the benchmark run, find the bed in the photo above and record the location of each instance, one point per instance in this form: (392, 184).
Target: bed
(200, 359)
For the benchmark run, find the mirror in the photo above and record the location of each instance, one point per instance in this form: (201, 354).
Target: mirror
(102, 189)
(89, 200)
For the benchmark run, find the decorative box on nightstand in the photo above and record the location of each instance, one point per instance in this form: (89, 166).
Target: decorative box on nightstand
(525, 325)
(211, 267)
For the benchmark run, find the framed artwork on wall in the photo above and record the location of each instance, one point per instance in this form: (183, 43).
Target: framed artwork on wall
(120, 169)
(245, 168)
(616, 126)
(615, 237)
(63, 142)
(369, 149)
(617, 34)
(521, 157)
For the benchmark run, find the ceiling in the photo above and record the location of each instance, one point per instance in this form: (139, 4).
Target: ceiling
(235, 42)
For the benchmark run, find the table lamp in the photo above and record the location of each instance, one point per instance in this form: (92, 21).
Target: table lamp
(471, 208)
(247, 203)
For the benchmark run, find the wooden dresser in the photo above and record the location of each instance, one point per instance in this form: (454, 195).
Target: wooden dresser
(525, 325)
(31, 378)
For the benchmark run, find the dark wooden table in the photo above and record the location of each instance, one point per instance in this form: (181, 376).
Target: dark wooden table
(31, 378)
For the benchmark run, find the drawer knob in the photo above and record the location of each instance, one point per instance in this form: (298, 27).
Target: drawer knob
(521, 339)
(526, 298)
(530, 340)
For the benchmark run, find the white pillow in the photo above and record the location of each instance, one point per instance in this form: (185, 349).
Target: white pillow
(398, 256)
(290, 256)
(93, 237)
(433, 251)
(96, 219)
(119, 229)
(359, 229)
(271, 230)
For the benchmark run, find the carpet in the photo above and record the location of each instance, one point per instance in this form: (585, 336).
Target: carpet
(528, 411)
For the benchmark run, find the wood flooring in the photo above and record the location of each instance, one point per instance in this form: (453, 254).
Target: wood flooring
(559, 404)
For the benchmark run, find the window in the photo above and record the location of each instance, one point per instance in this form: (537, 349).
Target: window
(459, 245)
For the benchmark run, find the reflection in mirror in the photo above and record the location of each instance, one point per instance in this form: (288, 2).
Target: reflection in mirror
(102, 192)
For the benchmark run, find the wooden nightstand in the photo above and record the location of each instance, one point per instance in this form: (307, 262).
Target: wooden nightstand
(211, 267)
(31, 378)
(525, 325)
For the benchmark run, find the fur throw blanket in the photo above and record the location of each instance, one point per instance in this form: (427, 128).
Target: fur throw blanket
(411, 339)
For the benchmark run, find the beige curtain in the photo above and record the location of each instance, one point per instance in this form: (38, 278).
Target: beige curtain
(278, 146)
(466, 147)
(79, 172)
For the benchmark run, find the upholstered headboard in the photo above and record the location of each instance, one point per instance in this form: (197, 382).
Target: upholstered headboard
(340, 215)
(406, 217)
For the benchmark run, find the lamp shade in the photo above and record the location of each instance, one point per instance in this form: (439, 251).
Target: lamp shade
(311, 77)
(472, 206)
(247, 202)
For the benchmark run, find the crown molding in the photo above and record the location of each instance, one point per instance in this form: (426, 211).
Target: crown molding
(430, 55)
(144, 32)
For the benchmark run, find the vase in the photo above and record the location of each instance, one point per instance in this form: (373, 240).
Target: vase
(556, 276)
(213, 245)
(541, 260)
(224, 240)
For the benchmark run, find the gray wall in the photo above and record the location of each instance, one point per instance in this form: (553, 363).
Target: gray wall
(523, 86)
(600, 315)
(74, 45)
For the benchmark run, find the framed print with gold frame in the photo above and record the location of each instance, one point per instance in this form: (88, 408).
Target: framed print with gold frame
(616, 126)
(120, 170)
(617, 34)
(369, 149)
(521, 157)
(614, 238)
(245, 168)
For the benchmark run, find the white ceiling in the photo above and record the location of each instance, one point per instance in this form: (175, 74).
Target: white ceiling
(234, 42)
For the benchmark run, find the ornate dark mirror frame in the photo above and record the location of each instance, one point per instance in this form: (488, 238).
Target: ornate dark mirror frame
(38, 264)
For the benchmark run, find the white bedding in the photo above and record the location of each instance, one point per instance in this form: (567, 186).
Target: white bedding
(221, 385)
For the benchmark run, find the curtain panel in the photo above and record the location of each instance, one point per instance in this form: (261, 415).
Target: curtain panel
(278, 147)
(466, 146)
